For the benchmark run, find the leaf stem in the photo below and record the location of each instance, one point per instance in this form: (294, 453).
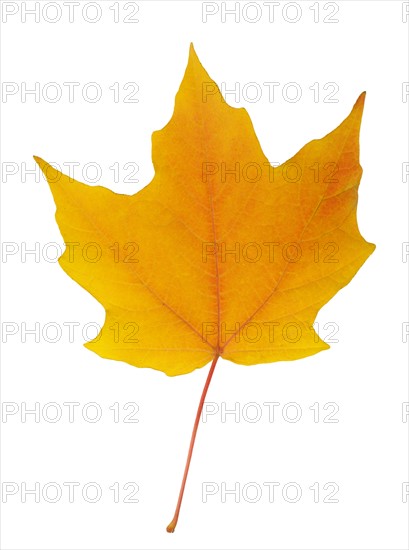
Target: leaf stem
(172, 525)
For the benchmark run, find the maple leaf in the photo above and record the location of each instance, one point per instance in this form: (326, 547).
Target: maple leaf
(221, 255)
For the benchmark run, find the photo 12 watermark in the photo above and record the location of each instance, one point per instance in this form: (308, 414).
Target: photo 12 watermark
(271, 12)
(63, 492)
(272, 492)
(70, 12)
(69, 92)
(69, 412)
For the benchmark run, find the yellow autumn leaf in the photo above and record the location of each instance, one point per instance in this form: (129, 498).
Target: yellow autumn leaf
(221, 255)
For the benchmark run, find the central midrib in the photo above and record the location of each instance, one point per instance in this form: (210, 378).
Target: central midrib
(203, 143)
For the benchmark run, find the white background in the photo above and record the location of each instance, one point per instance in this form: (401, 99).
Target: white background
(365, 373)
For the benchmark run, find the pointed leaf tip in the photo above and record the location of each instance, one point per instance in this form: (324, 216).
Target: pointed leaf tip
(359, 103)
(51, 174)
(192, 53)
(195, 75)
(41, 162)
